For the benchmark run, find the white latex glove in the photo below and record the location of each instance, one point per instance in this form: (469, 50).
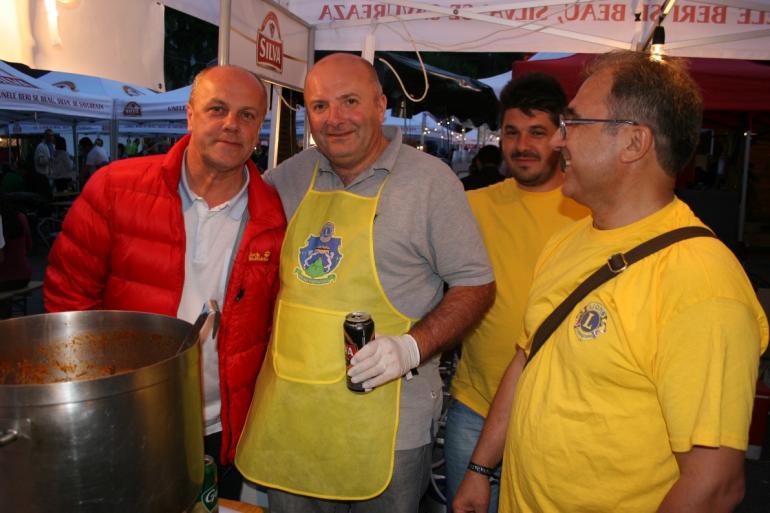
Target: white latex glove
(384, 359)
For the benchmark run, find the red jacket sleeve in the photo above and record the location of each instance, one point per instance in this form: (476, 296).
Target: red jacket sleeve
(78, 262)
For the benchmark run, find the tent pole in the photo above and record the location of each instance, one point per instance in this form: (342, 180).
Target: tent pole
(223, 48)
(307, 136)
(744, 184)
(113, 138)
(275, 122)
(76, 152)
(422, 132)
(10, 143)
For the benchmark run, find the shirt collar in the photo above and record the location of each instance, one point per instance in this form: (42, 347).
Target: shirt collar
(235, 206)
(385, 162)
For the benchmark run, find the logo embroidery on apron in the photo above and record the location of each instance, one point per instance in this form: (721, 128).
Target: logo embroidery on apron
(320, 257)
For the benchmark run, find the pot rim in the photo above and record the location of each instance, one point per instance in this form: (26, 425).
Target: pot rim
(80, 390)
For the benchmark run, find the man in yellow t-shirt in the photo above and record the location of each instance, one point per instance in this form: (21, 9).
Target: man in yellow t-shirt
(516, 218)
(641, 399)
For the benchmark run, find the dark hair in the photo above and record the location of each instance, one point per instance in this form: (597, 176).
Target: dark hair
(659, 94)
(534, 91)
(489, 155)
(59, 143)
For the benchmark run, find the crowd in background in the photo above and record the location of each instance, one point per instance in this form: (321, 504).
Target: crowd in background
(33, 176)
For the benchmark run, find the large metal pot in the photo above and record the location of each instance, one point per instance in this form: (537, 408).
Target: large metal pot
(99, 412)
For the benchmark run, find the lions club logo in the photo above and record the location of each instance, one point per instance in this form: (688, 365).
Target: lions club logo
(591, 322)
(320, 257)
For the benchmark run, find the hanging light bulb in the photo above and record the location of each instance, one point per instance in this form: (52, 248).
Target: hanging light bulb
(658, 40)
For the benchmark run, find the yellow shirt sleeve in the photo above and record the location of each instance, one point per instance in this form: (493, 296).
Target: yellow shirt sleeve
(705, 373)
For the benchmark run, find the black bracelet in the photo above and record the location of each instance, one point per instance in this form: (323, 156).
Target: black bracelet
(480, 469)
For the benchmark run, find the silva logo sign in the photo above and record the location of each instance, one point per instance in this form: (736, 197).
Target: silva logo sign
(270, 44)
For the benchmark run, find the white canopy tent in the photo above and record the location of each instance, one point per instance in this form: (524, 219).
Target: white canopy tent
(716, 28)
(23, 98)
(86, 84)
(120, 92)
(287, 31)
(124, 40)
(28, 106)
(163, 113)
(735, 29)
(168, 106)
(131, 102)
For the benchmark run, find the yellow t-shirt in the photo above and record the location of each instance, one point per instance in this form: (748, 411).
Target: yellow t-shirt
(661, 358)
(515, 225)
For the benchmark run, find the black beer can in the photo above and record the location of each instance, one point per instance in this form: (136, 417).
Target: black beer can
(359, 330)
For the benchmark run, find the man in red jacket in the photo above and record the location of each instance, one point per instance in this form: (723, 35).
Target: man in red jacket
(166, 233)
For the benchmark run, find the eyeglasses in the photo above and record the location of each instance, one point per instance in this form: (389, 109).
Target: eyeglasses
(563, 123)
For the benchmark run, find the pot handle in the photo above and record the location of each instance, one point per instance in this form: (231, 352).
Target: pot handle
(206, 324)
(10, 435)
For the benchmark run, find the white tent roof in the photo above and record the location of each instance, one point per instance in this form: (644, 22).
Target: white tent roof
(132, 102)
(497, 82)
(23, 97)
(125, 39)
(169, 106)
(85, 84)
(694, 28)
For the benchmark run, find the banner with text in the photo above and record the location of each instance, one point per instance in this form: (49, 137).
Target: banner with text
(19, 92)
(697, 28)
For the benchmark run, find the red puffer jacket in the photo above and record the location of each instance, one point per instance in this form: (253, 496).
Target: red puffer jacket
(122, 247)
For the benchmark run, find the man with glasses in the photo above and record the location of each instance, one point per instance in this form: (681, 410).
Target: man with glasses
(640, 400)
(516, 218)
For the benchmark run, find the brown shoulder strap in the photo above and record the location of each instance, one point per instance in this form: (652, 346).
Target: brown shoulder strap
(615, 265)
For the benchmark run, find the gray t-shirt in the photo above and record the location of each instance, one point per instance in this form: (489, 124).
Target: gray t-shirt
(424, 235)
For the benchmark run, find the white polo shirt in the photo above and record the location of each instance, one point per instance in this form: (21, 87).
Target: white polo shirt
(211, 234)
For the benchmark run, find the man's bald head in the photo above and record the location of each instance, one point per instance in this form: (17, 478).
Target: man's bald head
(229, 71)
(346, 63)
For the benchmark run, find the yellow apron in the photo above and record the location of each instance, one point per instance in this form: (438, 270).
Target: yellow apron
(306, 433)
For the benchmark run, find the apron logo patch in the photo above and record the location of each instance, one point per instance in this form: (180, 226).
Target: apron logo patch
(591, 322)
(320, 257)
